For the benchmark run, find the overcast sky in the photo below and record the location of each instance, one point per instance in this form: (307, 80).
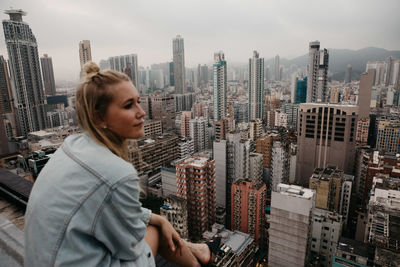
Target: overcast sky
(237, 27)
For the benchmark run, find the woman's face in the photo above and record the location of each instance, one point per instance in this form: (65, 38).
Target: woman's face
(124, 115)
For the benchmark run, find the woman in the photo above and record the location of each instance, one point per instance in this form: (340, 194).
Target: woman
(84, 208)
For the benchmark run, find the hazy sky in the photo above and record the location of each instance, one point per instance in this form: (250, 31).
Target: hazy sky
(237, 27)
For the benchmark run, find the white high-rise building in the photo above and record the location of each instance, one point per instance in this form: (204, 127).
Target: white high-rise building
(23, 56)
(220, 93)
(279, 165)
(127, 64)
(199, 133)
(326, 230)
(317, 78)
(179, 65)
(238, 152)
(277, 69)
(255, 167)
(290, 225)
(256, 87)
(220, 156)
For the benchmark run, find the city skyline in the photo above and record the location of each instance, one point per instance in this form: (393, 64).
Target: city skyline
(242, 27)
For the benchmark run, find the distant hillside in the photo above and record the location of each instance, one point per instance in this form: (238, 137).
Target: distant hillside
(340, 58)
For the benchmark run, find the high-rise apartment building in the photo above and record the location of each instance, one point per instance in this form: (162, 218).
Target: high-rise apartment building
(179, 65)
(277, 69)
(279, 164)
(256, 87)
(163, 108)
(264, 147)
(222, 127)
(220, 85)
(248, 208)
(347, 76)
(127, 64)
(301, 91)
(148, 154)
(23, 56)
(184, 102)
(364, 93)
(196, 183)
(85, 54)
(255, 129)
(6, 105)
(255, 168)
(237, 167)
(175, 210)
(199, 133)
(388, 136)
(290, 225)
(325, 135)
(383, 220)
(48, 75)
(317, 77)
(241, 111)
(186, 116)
(326, 230)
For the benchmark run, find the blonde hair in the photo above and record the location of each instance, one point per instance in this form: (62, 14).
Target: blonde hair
(93, 97)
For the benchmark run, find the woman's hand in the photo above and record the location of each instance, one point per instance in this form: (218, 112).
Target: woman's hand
(169, 236)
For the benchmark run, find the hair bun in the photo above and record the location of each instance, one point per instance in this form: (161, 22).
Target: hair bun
(91, 68)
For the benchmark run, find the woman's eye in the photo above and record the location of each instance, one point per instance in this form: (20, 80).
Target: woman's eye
(128, 106)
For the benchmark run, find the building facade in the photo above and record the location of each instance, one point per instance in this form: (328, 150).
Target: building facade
(127, 64)
(326, 134)
(248, 208)
(317, 77)
(290, 225)
(178, 51)
(29, 99)
(256, 87)
(48, 75)
(196, 183)
(220, 86)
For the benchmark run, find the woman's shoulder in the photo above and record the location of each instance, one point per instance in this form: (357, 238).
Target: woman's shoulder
(97, 158)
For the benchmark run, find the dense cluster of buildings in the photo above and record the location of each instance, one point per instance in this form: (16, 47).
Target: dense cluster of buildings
(291, 169)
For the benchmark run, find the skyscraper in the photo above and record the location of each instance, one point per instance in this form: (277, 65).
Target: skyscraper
(220, 71)
(290, 225)
(85, 54)
(277, 69)
(179, 65)
(248, 207)
(256, 87)
(195, 179)
(317, 73)
(5, 88)
(347, 76)
(48, 75)
(326, 134)
(29, 100)
(127, 64)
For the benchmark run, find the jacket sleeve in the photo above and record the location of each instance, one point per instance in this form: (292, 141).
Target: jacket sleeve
(121, 225)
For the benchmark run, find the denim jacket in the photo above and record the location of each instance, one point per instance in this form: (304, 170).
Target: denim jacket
(84, 209)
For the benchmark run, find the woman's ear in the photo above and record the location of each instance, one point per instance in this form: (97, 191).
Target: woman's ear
(99, 120)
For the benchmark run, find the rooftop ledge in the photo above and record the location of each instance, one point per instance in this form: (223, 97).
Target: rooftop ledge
(11, 244)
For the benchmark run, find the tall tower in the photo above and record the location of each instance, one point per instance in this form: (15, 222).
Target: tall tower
(127, 64)
(29, 100)
(85, 53)
(179, 65)
(256, 86)
(220, 71)
(277, 69)
(48, 75)
(195, 178)
(317, 73)
(347, 76)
